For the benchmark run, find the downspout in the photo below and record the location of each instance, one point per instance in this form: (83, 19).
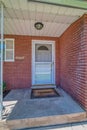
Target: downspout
(1, 59)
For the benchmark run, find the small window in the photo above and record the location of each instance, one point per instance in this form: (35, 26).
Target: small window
(9, 50)
(42, 48)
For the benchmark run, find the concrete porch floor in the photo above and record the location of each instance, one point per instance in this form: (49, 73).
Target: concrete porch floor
(23, 112)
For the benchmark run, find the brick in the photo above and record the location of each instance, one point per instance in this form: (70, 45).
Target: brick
(18, 74)
(73, 63)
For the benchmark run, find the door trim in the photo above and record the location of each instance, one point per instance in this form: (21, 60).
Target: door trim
(33, 57)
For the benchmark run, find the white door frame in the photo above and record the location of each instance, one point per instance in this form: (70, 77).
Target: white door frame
(33, 58)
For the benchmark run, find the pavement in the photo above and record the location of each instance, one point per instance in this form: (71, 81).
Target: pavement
(23, 112)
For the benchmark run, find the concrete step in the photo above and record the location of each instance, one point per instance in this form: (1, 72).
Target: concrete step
(44, 86)
(25, 112)
(46, 120)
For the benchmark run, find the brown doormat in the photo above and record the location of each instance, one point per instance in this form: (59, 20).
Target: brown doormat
(44, 93)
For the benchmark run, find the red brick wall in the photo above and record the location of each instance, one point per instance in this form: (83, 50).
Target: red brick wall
(57, 62)
(73, 61)
(18, 74)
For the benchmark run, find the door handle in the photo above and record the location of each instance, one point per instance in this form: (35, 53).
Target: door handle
(52, 64)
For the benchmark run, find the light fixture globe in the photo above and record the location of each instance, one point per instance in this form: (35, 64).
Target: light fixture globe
(38, 25)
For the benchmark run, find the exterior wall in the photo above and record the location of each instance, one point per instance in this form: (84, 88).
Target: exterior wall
(18, 74)
(73, 61)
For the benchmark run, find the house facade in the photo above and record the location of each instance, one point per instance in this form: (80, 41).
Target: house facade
(68, 63)
(40, 57)
(24, 60)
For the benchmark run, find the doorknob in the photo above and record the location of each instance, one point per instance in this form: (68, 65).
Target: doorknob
(52, 64)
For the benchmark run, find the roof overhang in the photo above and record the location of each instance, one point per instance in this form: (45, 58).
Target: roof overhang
(78, 4)
(21, 15)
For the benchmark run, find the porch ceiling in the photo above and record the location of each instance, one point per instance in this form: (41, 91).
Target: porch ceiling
(20, 16)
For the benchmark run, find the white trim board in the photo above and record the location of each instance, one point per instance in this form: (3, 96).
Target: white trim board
(33, 58)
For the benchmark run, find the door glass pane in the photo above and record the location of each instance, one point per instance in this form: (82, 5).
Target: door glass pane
(43, 63)
(43, 53)
(43, 73)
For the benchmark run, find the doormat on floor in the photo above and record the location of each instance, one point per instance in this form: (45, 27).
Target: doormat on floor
(44, 93)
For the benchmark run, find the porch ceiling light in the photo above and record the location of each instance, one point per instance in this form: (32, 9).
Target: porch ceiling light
(38, 25)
